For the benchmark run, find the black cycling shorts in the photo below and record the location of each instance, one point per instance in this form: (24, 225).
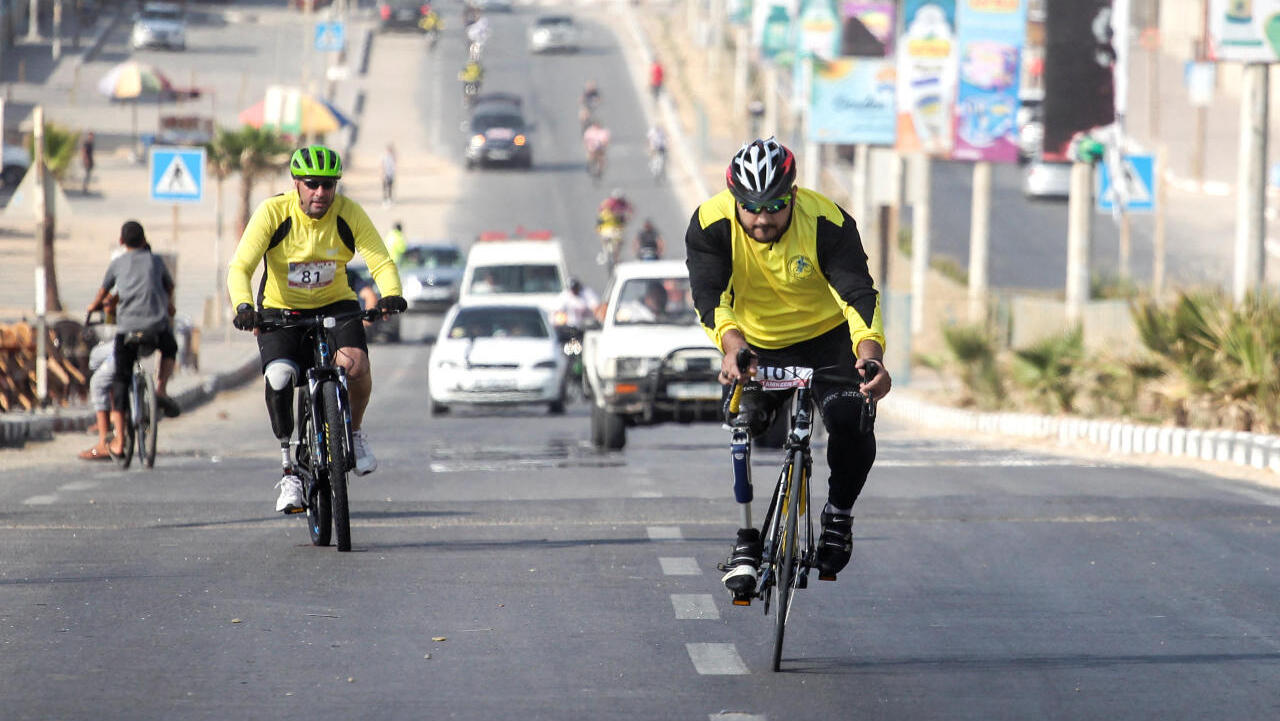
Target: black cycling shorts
(292, 343)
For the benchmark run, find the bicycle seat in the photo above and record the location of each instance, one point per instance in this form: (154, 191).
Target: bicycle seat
(146, 341)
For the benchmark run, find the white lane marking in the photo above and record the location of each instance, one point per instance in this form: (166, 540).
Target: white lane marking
(680, 566)
(79, 486)
(735, 716)
(44, 500)
(646, 494)
(716, 659)
(696, 606)
(992, 463)
(665, 533)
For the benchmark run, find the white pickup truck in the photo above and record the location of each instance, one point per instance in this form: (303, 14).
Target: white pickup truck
(650, 361)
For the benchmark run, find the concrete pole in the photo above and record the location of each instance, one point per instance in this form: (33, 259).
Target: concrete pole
(741, 67)
(57, 29)
(1079, 218)
(979, 241)
(858, 197)
(771, 112)
(812, 150)
(1158, 233)
(922, 175)
(715, 40)
(33, 20)
(41, 272)
(1251, 182)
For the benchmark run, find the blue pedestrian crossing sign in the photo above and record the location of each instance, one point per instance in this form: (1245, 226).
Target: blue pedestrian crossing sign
(331, 37)
(1135, 192)
(177, 174)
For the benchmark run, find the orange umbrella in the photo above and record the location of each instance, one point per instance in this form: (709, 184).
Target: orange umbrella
(133, 79)
(294, 112)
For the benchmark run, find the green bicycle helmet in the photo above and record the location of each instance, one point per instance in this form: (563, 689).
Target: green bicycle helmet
(315, 161)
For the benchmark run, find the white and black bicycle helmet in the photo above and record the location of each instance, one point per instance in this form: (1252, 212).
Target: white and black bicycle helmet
(761, 171)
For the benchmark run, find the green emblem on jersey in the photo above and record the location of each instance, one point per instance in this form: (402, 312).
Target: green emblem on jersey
(801, 267)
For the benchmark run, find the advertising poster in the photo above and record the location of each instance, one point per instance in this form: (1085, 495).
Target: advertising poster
(818, 29)
(926, 77)
(739, 11)
(1244, 31)
(866, 29)
(853, 102)
(991, 36)
(771, 27)
(1079, 83)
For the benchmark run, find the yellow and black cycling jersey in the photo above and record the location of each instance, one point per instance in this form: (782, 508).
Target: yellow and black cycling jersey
(431, 21)
(808, 282)
(306, 258)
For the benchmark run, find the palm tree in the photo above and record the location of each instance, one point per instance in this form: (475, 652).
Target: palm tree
(252, 152)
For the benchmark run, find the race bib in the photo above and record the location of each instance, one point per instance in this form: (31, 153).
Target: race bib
(313, 274)
(780, 378)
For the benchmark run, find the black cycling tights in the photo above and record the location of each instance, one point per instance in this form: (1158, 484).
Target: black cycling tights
(850, 454)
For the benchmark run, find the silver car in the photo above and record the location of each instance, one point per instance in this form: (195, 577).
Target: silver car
(553, 33)
(1047, 179)
(159, 24)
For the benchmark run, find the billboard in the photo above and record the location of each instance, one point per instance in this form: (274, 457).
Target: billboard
(990, 39)
(926, 77)
(852, 102)
(1079, 87)
(1245, 31)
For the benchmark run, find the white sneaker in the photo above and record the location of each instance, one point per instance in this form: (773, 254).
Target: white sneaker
(290, 500)
(366, 463)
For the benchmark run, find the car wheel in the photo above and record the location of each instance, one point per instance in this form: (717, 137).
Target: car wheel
(13, 175)
(608, 430)
(556, 407)
(436, 409)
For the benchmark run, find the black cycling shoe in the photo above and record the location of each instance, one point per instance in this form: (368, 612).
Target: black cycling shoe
(743, 566)
(168, 406)
(835, 545)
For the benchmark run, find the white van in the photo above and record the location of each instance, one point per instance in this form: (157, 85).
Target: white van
(523, 270)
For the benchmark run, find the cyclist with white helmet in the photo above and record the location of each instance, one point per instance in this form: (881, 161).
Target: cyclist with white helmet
(780, 271)
(304, 239)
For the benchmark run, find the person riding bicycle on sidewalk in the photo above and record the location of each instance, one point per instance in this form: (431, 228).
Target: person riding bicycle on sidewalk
(780, 270)
(305, 238)
(145, 304)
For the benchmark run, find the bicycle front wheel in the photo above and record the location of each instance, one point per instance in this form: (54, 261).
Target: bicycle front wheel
(319, 502)
(785, 560)
(335, 434)
(132, 401)
(148, 420)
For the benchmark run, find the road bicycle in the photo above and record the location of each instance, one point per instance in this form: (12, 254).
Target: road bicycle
(788, 543)
(323, 453)
(657, 163)
(141, 408)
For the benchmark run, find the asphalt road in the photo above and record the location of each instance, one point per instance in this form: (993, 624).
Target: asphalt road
(503, 569)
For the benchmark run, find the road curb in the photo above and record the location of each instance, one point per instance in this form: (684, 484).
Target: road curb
(1254, 450)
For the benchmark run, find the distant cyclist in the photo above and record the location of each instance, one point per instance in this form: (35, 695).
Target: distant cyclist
(780, 271)
(595, 141)
(304, 239)
(649, 242)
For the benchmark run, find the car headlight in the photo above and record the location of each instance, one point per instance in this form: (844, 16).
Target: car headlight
(477, 140)
(628, 367)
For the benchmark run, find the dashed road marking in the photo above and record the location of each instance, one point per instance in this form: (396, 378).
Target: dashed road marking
(646, 494)
(695, 606)
(716, 659)
(79, 485)
(732, 716)
(680, 566)
(665, 533)
(43, 500)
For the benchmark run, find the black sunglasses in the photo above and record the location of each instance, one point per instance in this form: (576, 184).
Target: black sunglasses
(771, 207)
(326, 184)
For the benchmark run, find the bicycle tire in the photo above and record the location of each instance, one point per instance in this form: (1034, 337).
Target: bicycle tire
(126, 454)
(786, 563)
(319, 504)
(335, 442)
(148, 421)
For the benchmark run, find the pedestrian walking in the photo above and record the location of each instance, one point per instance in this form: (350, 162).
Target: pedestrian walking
(657, 74)
(86, 160)
(388, 175)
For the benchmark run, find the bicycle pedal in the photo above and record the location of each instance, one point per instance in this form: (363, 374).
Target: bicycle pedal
(830, 577)
(741, 600)
(294, 511)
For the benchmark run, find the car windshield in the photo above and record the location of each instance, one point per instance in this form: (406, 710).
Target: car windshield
(499, 323)
(154, 13)
(556, 21)
(491, 279)
(484, 122)
(655, 301)
(431, 258)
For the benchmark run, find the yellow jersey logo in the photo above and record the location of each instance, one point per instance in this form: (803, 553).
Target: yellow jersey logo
(801, 267)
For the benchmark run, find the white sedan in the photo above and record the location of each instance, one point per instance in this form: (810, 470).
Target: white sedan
(489, 354)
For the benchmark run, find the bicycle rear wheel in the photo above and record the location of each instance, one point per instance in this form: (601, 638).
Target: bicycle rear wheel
(336, 441)
(785, 560)
(319, 504)
(148, 420)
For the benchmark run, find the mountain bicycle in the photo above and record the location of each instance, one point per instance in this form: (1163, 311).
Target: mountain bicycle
(141, 407)
(323, 453)
(788, 544)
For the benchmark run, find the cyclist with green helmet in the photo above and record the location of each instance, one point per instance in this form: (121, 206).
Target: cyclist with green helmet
(304, 239)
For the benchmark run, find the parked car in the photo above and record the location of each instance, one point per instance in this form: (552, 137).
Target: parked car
(16, 162)
(497, 6)
(498, 132)
(650, 361)
(1030, 121)
(1046, 179)
(159, 24)
(553, 33)
(430, 274)
(496, 354)
(401, 14)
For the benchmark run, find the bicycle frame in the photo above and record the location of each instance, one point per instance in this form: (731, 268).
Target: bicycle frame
(323, 370)
(787, 492)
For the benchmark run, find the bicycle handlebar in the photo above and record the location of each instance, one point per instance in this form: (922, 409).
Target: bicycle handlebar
(744, 362)
(276, 318)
